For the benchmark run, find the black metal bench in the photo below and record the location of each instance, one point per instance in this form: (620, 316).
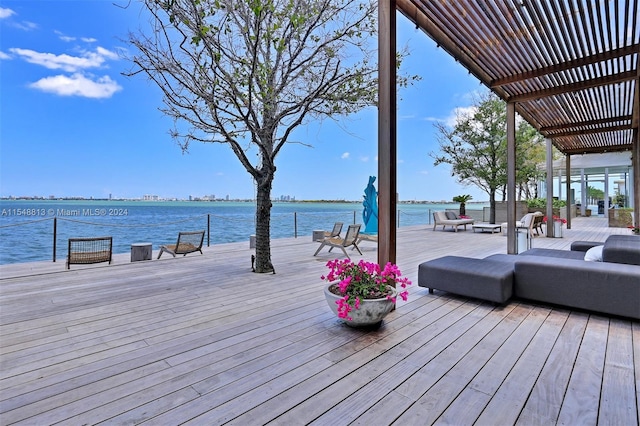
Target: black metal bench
(83, 251)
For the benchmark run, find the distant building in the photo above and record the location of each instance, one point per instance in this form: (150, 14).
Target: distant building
(148, 197)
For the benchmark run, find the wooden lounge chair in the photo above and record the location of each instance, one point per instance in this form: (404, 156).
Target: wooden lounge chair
(538, 221)
(188, 242)
(335, 232)
(350, 240)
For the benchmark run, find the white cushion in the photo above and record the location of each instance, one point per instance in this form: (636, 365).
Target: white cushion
(594, 254)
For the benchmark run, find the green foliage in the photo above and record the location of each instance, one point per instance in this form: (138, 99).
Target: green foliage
(541, 203)
(462, 198)
(476, 148)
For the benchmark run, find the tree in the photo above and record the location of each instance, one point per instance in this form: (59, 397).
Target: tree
(247, 73)
(462, 199)
(476, 149)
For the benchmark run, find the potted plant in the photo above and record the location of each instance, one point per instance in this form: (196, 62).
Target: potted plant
(557, 225)
(462, 199)
(362, 294)
(635, 230)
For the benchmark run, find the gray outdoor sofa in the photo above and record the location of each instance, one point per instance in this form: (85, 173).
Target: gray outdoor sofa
(560, 277)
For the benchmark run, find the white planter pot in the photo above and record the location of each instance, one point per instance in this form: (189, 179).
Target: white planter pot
(557, 229)
(371, 311)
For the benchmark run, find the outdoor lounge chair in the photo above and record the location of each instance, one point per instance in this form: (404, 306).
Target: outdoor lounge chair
(350, 240)
(450, 219)
(335, 232)
(188, 242)
(538, 221)
(527, 222)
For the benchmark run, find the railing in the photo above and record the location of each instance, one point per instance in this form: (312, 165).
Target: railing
(32, 237)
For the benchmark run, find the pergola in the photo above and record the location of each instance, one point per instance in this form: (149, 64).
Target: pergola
(568, 67)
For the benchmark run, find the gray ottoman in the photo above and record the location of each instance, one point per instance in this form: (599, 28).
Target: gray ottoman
(480, 278)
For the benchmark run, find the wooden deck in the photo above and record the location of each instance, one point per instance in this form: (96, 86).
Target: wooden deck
(202, 340)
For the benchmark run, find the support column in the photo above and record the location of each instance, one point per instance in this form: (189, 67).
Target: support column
(568, 188)
(387, 154)
(606, 191)
(583, 194)
(549, 226)
(635, 163)
(559, 184)
(511, 178)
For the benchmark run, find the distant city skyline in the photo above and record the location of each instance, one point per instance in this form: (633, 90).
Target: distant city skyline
(74, 126)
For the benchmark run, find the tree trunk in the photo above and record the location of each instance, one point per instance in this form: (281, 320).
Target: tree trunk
(263, 224)
(463, 210)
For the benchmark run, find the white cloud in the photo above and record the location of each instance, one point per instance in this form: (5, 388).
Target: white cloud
(78, 85)
(5, 13)
(364, 159)
(4, 55)
(345, 156)
(25, 25)
(452, 119)
(67, 38)
(66, 62)
(88, 39)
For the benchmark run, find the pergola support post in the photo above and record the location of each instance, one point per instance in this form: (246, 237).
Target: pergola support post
(387, 153)
(568, 188)
(511, 178)
(549, 188)
(635, 164)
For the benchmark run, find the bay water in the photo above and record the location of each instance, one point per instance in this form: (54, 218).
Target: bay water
(27, 226)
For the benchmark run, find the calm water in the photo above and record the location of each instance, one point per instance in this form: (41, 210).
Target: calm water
(27, 227)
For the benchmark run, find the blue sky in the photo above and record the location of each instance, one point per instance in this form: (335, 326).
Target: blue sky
(72, 125)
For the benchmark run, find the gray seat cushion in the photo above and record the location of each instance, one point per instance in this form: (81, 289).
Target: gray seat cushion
(564, 254)
(479, 278)
(622, 249)
(610, 288)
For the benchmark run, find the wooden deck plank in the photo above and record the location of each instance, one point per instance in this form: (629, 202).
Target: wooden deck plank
(509, 399)
(617, 402)
(582, 399)
(543, 405)
(474, 398)
(194, 339)
(435, 393)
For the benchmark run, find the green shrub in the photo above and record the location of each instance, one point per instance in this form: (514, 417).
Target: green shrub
(541, 203)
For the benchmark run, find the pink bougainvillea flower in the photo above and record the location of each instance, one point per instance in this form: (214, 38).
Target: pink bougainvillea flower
(359, 281)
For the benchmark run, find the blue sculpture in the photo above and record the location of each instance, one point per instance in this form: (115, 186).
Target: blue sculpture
(370, 213)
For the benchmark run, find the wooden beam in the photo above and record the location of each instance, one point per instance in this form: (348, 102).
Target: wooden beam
(597, 149)
(387, 157)
(564, 66)
(575, 87)
(585, 131)
(588, 123)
